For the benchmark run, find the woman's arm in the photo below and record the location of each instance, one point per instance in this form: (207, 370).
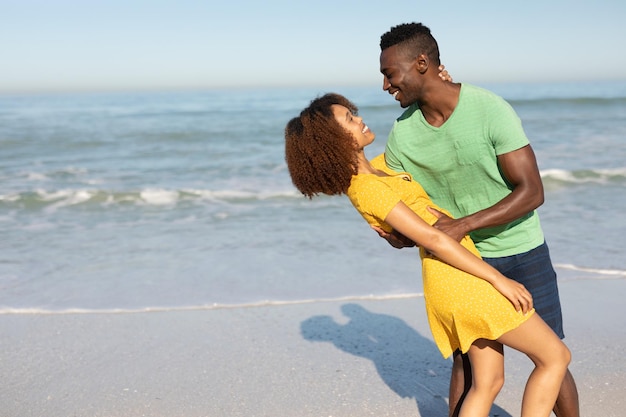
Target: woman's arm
(404, 220)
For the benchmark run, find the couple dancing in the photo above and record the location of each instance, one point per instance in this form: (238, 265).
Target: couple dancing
(467, 149)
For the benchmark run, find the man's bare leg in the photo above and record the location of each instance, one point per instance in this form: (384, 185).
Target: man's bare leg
(567, 401)
(460, 382)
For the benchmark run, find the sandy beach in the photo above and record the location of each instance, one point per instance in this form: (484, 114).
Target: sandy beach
(329, 358)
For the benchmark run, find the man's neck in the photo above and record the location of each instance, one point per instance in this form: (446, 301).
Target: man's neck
(440, 102)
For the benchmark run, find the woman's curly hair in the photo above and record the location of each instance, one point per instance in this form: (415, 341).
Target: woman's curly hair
(321, 155)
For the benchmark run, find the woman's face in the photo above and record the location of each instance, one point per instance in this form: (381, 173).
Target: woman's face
(353, 124)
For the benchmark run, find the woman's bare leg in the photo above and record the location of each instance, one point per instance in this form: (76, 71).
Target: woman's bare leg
(487, 360)
(551, 358)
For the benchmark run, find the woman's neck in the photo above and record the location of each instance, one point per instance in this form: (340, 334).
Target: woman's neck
(364, 165)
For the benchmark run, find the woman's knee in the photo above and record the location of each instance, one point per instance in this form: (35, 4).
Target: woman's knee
(490, 383)
(558, 355)
(566, 355)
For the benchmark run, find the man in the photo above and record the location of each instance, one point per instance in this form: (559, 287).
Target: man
(467, 148)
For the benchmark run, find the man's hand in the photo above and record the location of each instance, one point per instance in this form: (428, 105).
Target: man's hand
(455, 228)
(395, 239)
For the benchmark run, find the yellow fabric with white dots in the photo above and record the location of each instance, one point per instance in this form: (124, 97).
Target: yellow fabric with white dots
(460, 307)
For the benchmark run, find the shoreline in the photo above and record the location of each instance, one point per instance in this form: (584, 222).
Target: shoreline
(326, 358)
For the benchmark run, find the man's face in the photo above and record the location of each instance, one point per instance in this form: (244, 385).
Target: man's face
(400, 76)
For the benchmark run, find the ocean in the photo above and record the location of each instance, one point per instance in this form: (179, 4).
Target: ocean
(124, 202)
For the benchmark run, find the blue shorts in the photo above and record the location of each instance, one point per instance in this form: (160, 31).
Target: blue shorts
(534, 270)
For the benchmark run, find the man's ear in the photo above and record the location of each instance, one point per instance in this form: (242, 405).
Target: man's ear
(422, 63)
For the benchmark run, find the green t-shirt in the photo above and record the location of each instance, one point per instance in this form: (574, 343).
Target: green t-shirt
(457, 165)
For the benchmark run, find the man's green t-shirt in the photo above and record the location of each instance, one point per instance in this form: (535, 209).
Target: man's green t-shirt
(457, 165)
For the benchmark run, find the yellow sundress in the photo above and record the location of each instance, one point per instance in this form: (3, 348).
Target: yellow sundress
(460, 307)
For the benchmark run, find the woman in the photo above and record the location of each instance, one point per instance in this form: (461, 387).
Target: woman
(470, 305)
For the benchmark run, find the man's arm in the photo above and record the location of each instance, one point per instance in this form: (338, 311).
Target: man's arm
(520, 169)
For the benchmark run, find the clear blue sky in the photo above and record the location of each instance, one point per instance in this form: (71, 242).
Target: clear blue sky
(60, 45)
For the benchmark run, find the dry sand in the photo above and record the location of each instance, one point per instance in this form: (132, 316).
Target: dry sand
(340, 358)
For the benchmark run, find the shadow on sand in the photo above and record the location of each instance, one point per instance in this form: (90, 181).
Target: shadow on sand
(409, 363)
